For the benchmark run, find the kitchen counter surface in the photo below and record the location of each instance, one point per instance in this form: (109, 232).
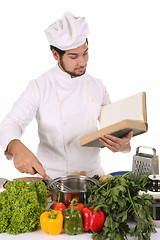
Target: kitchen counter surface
(40, 235)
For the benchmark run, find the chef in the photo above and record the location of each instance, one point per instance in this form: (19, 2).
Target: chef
(66, 103)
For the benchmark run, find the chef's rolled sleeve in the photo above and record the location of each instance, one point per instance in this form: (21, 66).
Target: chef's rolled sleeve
(7, 134)
(21, 114)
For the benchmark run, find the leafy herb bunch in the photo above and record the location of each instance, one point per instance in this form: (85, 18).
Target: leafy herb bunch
(123, 203)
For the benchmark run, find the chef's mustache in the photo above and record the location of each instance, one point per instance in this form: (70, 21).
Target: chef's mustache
(81, 67)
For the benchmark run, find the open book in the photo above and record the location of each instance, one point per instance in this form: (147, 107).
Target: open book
(119, 118)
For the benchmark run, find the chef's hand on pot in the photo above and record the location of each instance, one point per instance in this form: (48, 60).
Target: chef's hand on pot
(116, 144)
(24, 160)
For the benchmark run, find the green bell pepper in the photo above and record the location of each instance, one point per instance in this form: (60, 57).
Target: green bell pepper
(73, 222)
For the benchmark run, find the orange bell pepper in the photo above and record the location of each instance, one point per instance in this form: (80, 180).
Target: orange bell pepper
(51, 222)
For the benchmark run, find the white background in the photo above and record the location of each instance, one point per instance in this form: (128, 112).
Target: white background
(124, 49)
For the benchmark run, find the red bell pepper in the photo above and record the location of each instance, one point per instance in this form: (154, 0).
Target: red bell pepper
(78, 206)
(93, 218)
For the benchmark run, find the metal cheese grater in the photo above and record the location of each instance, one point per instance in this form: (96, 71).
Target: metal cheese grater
(144, 163)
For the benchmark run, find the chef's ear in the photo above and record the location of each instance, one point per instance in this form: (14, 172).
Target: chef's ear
(56, 55)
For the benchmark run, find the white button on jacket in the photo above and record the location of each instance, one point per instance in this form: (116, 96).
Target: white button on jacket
(65, 109)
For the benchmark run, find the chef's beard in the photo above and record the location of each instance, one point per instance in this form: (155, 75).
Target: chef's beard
(72, 74)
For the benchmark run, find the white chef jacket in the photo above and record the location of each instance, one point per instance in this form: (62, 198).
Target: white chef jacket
(65, 109)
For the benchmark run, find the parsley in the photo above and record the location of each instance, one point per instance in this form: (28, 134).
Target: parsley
(124, 205)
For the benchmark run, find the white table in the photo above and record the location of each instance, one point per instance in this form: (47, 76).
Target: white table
(40, 235)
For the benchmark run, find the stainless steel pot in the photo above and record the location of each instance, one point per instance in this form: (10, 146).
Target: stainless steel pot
(78, 184)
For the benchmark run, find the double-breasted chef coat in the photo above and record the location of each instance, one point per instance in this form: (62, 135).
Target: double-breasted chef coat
(65, 109)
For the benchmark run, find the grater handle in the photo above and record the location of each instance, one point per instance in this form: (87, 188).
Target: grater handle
(154, 150)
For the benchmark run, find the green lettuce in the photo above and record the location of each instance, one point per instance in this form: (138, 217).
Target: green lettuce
(21, 205)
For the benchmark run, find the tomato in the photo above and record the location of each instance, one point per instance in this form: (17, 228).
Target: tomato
(78, 206)
(67, 199)
(59, 206)
(77, 197)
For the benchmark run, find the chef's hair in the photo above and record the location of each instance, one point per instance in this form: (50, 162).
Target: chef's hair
(61, 52)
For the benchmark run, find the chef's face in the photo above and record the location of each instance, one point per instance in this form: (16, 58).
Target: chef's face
(74, 61)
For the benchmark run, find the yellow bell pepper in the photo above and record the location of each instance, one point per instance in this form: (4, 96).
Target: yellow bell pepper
(51, 222)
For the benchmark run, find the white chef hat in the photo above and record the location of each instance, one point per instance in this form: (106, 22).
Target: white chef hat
(67, 33)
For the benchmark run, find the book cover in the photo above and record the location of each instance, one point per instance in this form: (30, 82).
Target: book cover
(119, 118)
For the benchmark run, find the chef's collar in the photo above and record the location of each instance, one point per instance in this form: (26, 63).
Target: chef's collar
(66, 75)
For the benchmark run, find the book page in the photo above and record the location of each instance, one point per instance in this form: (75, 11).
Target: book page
(131, 108)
